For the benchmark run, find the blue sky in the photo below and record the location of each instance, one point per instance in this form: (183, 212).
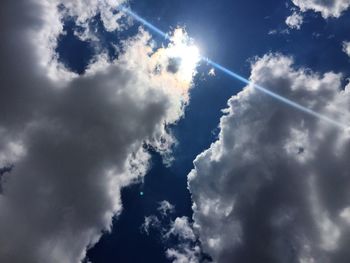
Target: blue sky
(249, 37)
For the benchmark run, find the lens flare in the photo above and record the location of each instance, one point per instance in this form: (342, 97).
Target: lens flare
(189, 56)
(182, 48)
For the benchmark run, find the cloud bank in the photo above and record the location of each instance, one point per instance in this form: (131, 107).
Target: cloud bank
(274, 186)
(74, 140)
(327, 8)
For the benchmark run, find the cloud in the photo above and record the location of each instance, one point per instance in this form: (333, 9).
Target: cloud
(151, 222)
(327, 8)
(211, 72)
(165, 208)
(74, 140)
(294, 21)
(85, 10)
(187, 249)
(177, 235)
(346, 47)
(274, 187)
(181, 228)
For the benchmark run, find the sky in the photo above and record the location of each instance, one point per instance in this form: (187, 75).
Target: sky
(118, 145)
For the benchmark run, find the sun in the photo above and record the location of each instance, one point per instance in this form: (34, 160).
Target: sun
(185, 52)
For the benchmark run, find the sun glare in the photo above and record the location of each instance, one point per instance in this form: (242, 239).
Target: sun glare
(188, 54)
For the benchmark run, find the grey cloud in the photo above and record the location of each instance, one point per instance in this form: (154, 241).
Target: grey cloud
(274, 187)
(74, 141)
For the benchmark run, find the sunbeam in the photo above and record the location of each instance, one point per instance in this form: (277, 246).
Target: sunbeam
(235, 75)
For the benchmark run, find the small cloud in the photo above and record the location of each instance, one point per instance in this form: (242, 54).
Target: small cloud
(295, 20)
(149, 223)
(182, 245)
(182, 228)
(272, 32)
(212, 72)
(284, 31)
(165, 208)
(346, 47)
(316, 35)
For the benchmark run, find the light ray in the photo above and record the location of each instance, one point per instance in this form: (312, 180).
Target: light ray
(239, 77)
(275, 95)
(143, 21)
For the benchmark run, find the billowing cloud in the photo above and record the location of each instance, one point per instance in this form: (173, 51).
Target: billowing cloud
(295, 20)
(346, 47)
(327, 8)
(274, 186)
(74, 140)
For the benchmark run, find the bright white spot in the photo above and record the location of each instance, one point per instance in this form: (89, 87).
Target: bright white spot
(182, 47)
(212, 72)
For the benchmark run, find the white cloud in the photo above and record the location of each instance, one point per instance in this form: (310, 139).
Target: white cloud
(181, 228)
(185, 255)
(295, 20)
(85, 10)
(75, 141)
(151, 222)
(165, 208)
(327, 8)
(186, 251)
(274, 187)
(211, 72)
(346, 47)
(178, 235)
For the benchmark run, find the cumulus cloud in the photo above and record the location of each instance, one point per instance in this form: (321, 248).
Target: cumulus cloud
(74, 141)
(346, 47)
(327, 8)
(274, 187)
(295, 20)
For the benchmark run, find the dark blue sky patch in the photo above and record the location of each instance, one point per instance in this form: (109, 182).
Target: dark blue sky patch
(127, 238)
(74, 53)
